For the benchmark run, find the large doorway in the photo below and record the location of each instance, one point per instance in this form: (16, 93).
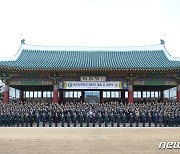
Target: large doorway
(92, 96)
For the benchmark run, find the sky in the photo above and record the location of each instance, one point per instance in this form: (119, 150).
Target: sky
(89, 23)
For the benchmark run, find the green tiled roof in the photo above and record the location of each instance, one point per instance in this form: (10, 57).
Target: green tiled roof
(43, 57)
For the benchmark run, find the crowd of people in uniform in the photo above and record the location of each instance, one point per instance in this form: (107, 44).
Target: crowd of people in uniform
(79, 114)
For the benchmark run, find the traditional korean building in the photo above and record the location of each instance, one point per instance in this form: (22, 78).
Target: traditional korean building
(90, 73)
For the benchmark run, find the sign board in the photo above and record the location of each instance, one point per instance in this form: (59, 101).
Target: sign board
(93, 85)
(92, 78)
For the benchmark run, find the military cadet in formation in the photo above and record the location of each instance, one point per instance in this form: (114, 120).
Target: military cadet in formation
(172, 120)
(131, 120)
(124, 120)
(143, 118)
(106, 119)
(44, 119)
(1, 119)
(26, 119)
(74, 119)
(169, 119)
(100, 119)
(31, 119)
(9, 119)
(81, 119)
(176, 119)
(56, 117)
(22, 119)
(18, 119)
(62, 120)
(68, 119)
(160, 119)
(12, 119)
(137, 118)
(149, 119)
(87, 119)
(165, 119)
(118, 120)
(112, 119)
(37, 119)
(50, 119)
(94, 120)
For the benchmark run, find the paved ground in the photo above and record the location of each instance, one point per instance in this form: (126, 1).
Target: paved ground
(86, 140)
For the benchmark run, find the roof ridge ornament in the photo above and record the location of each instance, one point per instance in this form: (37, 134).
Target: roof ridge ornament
(162, 42)
(23, 41)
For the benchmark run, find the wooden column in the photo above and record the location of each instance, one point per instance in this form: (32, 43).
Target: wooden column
(55, 94)
(123, 95)
(42, 96)
(6, 94)
(178, 93)
(130, 93)
(82, 96)
(101, 96)
(21, 95)
(162, 94)
(61, 95)
(141, 94)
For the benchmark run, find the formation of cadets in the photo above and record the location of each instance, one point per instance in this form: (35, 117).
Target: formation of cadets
(73, 114)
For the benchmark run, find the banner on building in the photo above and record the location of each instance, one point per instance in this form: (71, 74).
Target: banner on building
(93, 85)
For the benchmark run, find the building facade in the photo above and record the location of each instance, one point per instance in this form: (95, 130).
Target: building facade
(91, 74)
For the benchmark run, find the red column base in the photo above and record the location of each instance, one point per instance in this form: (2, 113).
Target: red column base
(6, 97)
(130, 96)
(55, 94)
(178, 96)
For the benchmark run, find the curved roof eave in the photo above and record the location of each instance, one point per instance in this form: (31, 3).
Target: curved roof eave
(15, 57)
(91, 49)
(169, 56)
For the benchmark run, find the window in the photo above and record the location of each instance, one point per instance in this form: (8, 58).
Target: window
(72, 94)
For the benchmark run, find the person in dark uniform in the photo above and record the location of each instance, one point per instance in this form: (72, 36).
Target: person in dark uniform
(18, 119)
(74, 119)
(1, 119)
(87, 119)
(22, 119)
(156, 119)
(143, 119)
(149, 119)
(118, 120)
(81, 119)
(124, 120)
(31, 119)
(9, 119)
(13, 119)
(56, 119)
(165, 119)
(94, 120)
(137, 118)
(100, 119)
(112, 119)
(26, 118)
(44, 119)
(62, 119)
(160, 119)
(50, 119)
(68, 119)
(37, 119)
(173, 120)
(131, 120)
(169, 119)
(176, 119)
(106, 119)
